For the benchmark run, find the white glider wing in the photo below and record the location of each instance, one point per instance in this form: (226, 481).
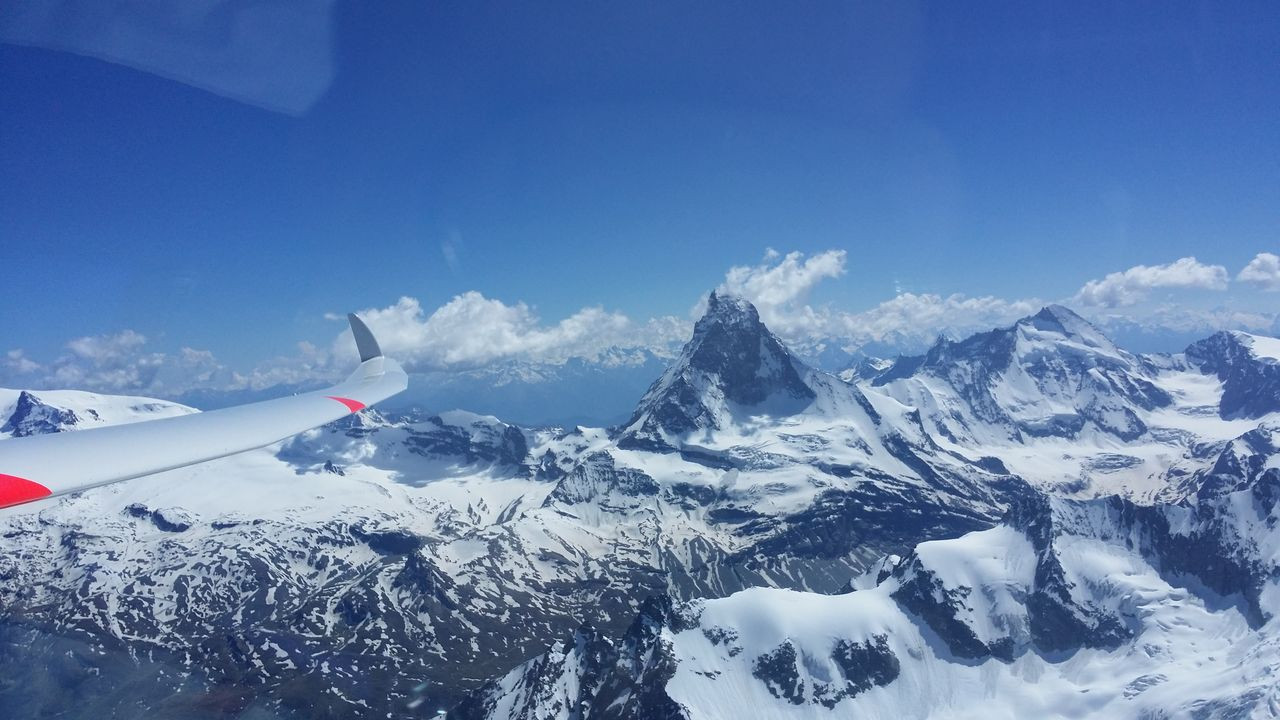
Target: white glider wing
(42, 466)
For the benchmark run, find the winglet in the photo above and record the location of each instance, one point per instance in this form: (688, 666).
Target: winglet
(365, 342)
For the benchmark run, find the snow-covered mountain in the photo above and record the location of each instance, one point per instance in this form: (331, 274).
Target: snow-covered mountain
(864, 368)
(1098, 608)
(49, 411)
(733, 369)
(1061, 406)
(392, 563)
(1051, 374)
(1248, 367)
(449, 548)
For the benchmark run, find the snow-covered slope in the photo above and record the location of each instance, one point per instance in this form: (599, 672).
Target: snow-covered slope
(732, 370)
(1248, 367)
(390, 561)
(736, 400)
(448, 548)
(33, 413)
(1069, 609)
(1064, 408)
(864, 367)
(1051, 374)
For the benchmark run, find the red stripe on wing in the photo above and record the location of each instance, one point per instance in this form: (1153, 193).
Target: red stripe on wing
(15, 490)
(352, 405)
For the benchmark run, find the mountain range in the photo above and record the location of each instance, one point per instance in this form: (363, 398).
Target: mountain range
(1027, 521)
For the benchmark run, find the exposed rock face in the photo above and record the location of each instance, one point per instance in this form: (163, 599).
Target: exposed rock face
(1050, 374)
(864, 368)
(1053, 619)
(598, 480)
(444, 582)
(590, 676)
(1052, 400)
(173, 520)
(1145, 590)
(386, 560)
(472, 438)
(733, 364)
(1237, 464)
(1209, 540)
(1250, 380)
(32, 417)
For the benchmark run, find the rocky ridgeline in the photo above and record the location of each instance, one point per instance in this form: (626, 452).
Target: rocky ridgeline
(437, 552)
(1038, 596)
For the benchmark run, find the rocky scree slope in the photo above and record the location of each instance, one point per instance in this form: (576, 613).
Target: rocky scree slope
(1068, 608)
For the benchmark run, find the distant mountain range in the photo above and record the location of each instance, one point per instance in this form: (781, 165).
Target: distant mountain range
(596, 392)
(601, 391)
(1024, 522)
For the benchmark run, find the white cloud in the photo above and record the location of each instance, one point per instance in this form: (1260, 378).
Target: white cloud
(1180, 319)
(107, 349)
(783, 280)
(911, 320)
(472, 330)
(1263, 270)
(1133, 285)
(449, 251)
(309, 365)
(17, 362)
(468, 331)
(117, 363)
(111, 363)
(780, 286)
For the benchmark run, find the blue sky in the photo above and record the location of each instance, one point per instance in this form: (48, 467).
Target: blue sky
(626, 156)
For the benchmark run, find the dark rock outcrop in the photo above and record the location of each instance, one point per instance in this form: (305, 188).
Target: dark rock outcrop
(1250, 384)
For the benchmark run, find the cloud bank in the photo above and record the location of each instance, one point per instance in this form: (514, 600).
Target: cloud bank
(471, 331)
(117, 363)
(780, 285)
(474, 331)
(1132, 286)
(1263, 271)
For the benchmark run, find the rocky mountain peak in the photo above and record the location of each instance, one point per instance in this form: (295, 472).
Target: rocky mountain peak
(732, 362)
(995, 349)
(30, 416)
(1250, 377)
(724, 306)
(748, 361)
(1016, 382)
(1063, 321)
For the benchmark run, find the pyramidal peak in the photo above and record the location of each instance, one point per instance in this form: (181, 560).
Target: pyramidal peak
(31, 416)
(746, 361)
(730, 308)
(732, 363)
(1061, 320)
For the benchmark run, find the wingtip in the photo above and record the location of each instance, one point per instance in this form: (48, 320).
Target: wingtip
(366, 343)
